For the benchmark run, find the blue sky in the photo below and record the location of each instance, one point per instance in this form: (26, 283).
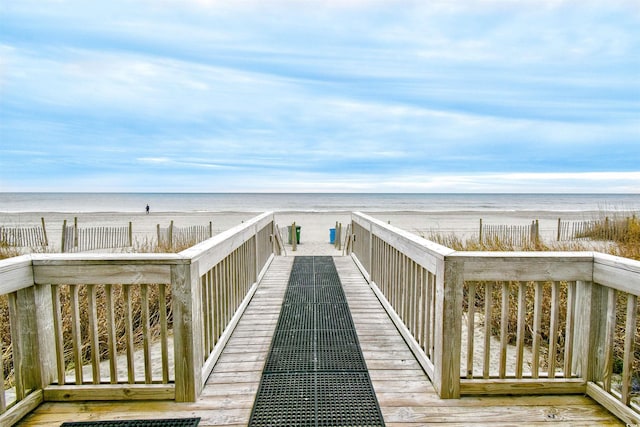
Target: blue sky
(297, 96)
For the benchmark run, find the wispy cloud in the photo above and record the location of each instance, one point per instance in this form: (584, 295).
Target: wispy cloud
(362, 95)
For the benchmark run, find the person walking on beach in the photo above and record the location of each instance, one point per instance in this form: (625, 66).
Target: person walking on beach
(147, 209)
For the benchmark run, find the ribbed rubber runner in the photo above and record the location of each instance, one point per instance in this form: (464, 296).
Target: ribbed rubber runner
(315, 374)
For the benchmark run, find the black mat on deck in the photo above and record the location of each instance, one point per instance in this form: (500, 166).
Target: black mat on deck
(167, 422)
(315, 374)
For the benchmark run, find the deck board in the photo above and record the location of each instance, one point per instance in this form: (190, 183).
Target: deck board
(406, 397)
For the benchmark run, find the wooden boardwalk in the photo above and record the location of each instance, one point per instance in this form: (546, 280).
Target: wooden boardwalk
(406, 396)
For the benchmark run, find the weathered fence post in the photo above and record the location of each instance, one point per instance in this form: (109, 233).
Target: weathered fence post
(171, 234)
(130, 234)
(210, 229)
(44, 232)
(64, 235)
(559, 229)
(480, 234)
(75, 231)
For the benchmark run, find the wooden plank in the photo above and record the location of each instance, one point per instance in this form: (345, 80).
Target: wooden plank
(164, 347)
(569, 330)
(504, 317)
(521, 386)
(537, 331)
(21, 408)
(57, 327)
(93, 333)
(69, 393)
(553, 329)
(111, 334)
(618, 273)
(488, 308)
(146, 332)
(629, 338)
(15, 273)
(76, 339)
(102, 273)
(609, 331)
(522, 307)
(526, 266)
(471, 305)
(612, 404)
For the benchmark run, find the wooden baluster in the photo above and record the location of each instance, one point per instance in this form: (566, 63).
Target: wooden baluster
(522, 311)
(553, 329)
(504, 330)
(488, 307)
(111, 335)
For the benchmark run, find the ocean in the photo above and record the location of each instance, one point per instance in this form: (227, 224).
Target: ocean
(315, 202)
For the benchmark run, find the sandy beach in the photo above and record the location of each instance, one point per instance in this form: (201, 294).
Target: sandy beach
(315, 226)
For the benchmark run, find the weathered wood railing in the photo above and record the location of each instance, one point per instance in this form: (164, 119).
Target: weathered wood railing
(142, 326)
(573, 331)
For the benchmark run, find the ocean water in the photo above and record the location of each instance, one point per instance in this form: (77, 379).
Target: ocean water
(314, 202)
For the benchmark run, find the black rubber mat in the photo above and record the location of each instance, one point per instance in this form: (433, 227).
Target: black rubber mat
(315, 374)
(167, 422)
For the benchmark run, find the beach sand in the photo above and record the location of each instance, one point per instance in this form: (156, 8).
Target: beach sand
(314, 226)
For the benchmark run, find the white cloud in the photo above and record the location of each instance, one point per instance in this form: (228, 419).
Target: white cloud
(360, 95)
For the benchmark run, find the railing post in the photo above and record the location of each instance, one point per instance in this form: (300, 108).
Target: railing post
(32, 337)
(591, 312)
(448, 327)
(187, 330)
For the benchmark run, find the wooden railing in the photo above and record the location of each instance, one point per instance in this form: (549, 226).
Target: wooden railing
(509, 322)
(125, 326)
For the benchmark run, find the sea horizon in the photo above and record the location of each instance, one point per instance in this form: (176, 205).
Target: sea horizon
(130, 202)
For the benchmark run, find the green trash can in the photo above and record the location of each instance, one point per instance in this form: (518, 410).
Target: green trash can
(297, 234)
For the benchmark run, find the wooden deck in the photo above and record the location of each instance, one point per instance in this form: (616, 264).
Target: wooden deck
(406, 396)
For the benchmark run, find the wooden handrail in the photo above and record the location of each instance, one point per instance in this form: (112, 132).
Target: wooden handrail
(208, 287)
(579, 298)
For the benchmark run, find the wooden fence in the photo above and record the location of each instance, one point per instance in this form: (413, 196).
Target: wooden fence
(519, 236)
(24, 237)
(78, 239)
(607, 229)
(180, 309)
(170, 237)
(509, 322)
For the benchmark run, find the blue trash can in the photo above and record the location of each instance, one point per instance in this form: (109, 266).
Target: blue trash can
(332, 235)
